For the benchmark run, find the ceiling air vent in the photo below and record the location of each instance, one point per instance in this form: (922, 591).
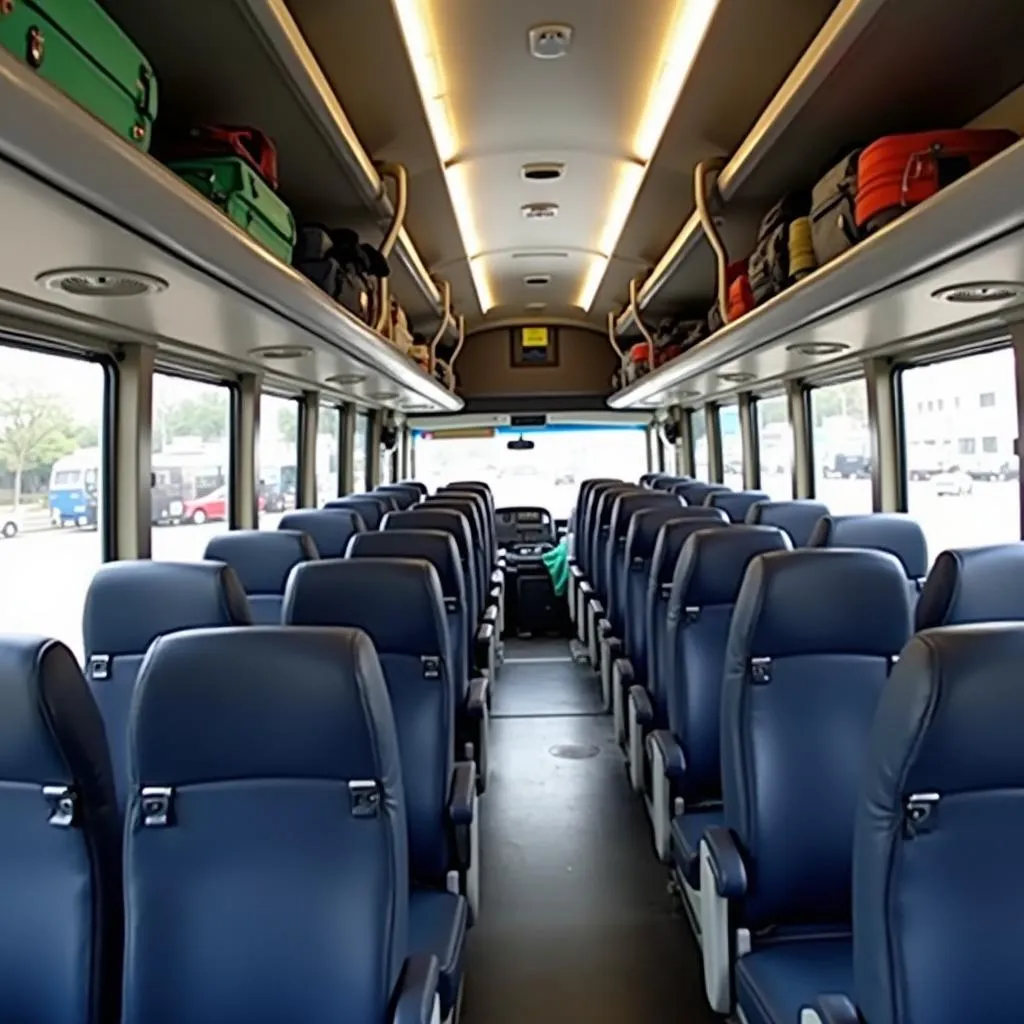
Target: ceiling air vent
(547, 42)
(540, 254)
(537, 280)
(543, 172)
(540, 211)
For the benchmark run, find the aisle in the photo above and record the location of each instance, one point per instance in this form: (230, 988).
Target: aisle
(576, 924)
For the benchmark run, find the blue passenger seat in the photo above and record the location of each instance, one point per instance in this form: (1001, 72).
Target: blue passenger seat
(813, 638)
(412, 645)
(266, 855)
(262, 560)
(60, 858)
(696, 492)
(128, 605)
(938, 842)
(329, 528)
(968, 585)
(798, 517)
(735, 504)
(369, 508)
(880, 531)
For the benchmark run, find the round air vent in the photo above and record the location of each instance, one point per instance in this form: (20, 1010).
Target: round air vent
(983, 291)
(548, 42)
(540, 211)
(818, 348)
(536, 254)
(101, 282)
(543, 172)
(274, 352)
(537, 280)
(346, 379)
(735, 378)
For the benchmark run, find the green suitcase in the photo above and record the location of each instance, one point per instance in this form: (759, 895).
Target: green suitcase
(232, 184)
(77, 47)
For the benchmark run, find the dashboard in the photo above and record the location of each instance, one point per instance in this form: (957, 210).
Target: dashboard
(525, 527)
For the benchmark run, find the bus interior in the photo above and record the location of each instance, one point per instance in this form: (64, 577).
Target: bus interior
(511, 511)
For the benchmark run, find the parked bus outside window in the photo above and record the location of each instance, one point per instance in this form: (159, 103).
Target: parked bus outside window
(51, 438)
(841, 447)
(775, 447)
(959, 431)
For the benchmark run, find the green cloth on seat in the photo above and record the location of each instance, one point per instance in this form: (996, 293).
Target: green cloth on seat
(556, 561)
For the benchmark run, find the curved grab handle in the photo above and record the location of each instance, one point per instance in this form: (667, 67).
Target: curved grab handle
(397, 174)
(634, 307)
(446, 319)
(614, 341)
(702, 197)
(461, 321)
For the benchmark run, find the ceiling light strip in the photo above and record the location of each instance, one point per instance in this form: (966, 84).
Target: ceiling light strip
(424, 55)
(689, 27)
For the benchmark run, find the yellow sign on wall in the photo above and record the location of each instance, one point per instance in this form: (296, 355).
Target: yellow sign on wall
(535, 337)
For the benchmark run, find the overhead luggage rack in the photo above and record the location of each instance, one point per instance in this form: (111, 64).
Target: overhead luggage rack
(841, 94)
(103, 240)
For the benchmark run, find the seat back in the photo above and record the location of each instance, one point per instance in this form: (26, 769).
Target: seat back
(130, 604)
(421, 487)
(588, 526)
(398, 604)
(625, 507)
(798, 517)
(481, 489)
(940, 834)
(695, 491)
(60, 859)
(370, 509)
(438, 548)
(812, 640)
(405, 494)
(967, 585)
(667, 547)
(668, 482)
(485, 514)
(469, 507)
(266, 873)
(640, 542)
(262, 560)
(600, 537)
(330, 529)
(880, 531)
(702, 596)
(391, 502)
(735, 504)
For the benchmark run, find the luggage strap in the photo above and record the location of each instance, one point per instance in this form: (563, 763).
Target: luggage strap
(950, 164)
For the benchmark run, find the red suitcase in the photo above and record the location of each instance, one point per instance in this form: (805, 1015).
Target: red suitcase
(898, 172)
(250, 144)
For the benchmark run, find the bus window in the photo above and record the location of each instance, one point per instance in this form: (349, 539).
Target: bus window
(191, 451)
(51, 416)
(775, 447)
(327, 464)
(360, 444)
(732, 446)
(277, 458)
(959, 430)
(698, 426)
(549, 475)
(841, 447)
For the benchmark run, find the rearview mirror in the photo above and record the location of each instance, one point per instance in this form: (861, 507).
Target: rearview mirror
(520, 444)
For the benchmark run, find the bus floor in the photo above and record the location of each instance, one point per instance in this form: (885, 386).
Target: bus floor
(576, 922)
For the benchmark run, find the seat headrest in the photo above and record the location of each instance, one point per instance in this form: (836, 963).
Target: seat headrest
(628, 505)
(606, 502)
(479, 485)
(421, 487)
(434, 546)
(425, 517)
(949, 720)
(672, 537)
(130, 604)
(405, 495)
(467, 506)
(269, 702)
(735, 504)
(330, 528)
(798, 517)
(695, 491)
(390, 502)
(262, 559)
(713, 562)
(973, 585)
(667, 483)
(645, 526)
(821, 601)
(882, 531)
(396, 601)
(50, 728)
(371, 510)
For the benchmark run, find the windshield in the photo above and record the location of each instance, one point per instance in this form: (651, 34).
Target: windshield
(563, 457)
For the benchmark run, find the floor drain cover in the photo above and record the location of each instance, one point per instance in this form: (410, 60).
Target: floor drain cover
(574, 751)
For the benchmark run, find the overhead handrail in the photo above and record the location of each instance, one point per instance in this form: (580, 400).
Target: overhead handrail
(634, 306)
(399, 176)
(703, 199)
(446, 319)
(461, 321)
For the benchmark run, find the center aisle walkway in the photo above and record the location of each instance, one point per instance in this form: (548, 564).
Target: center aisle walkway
(576, 924)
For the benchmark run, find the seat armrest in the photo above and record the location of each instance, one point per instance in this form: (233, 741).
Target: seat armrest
(497, 577)
(462, 793)
(586, 588)
(604, 628)
(484, 632)
(490, 615)
(726, 862)
(831, 1010)
(417, 990)
(575, 569)
(672, 756)
(641, 701)
(476, 699)
(622, 669)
